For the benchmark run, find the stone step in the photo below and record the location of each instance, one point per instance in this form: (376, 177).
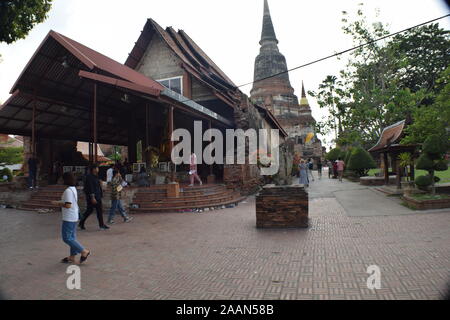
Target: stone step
(186, 203)
(183, 208)
(144, 197)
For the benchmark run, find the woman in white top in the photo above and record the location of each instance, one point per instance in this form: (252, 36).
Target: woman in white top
(70, 209)
(193, 170)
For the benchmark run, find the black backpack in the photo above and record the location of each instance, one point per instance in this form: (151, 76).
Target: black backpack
(310, 166)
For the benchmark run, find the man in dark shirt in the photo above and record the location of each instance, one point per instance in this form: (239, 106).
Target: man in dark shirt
(94, 194)
(32, 171)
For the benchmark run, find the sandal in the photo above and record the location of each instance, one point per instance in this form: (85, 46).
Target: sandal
(67, 260)
(84, 258)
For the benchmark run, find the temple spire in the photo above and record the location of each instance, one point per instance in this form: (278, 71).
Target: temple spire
(268, 32)
(304, 100)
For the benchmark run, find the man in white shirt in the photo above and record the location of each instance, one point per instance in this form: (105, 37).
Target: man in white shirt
(109, 174)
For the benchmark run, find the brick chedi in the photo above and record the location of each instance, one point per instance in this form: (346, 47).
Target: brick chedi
(277, 94)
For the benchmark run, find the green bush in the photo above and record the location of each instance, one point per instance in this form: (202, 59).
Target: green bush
(434, 146)
(361, 161)
(424, 162)
(432, 158)
(6, 172)
(441, 165)
(334, 154)
(423, 181)
(348, 153)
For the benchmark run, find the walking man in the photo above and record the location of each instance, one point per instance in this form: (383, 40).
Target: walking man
(109, 174)
(94, 194)
(310, 165)
(32, 172)
(116, 198)
(340, 168)
(319, 168)
(69, 205)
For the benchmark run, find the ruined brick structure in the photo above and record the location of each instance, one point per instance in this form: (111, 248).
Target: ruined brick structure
(277, 95)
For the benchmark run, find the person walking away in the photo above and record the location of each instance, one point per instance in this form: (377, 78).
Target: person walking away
(302, 168)
(116, 198)
(319, 168)
(310, 169)
(32, 172)
(109, 174)
(70, 214)
(340, 168)
(142, 178)
(94, 195)
(335, 172)
(193, 170)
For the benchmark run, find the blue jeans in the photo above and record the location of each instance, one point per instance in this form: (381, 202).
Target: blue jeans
(116, 204)
(69, 236)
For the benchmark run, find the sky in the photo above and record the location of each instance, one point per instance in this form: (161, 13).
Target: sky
(228, 31)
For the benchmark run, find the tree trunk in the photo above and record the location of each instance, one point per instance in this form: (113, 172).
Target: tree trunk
(433, 188)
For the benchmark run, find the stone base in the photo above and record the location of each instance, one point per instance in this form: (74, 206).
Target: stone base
(173, 190)
(211, 179)
(426, 204)
(282, 207)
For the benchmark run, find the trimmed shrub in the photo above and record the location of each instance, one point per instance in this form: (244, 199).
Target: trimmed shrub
(434, 146)
(432, 158)
(441, 165)
(361, 161)
(348, 153)
(6, 172)
(423, 181)
(334, 154)
(424, 162)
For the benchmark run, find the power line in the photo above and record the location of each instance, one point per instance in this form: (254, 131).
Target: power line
(336, 54)
(342, 52)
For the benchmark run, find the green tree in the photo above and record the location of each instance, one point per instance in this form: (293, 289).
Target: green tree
(361, 161)
(381, 84)
(18, 17)
(433, 119)
(11, 155)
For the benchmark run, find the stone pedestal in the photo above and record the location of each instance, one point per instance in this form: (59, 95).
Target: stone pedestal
(211, 179)
(173, 190)
(282, 207)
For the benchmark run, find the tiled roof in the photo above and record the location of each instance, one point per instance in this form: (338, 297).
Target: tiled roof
(390, 135)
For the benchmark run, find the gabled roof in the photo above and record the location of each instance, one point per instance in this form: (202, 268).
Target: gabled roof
(389, 136)
(92, 60)
(271, 118)
(194, 60)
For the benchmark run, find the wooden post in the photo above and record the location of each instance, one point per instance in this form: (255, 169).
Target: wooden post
(398, 174)
(33, 128)
(95, 123)
(386, 168)
(147, 143)
(172, 174)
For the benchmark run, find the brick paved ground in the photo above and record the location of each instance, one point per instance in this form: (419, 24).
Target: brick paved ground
(221, 255)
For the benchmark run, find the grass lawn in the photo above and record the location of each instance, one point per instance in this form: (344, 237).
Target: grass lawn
(444, 175)
(429, 196)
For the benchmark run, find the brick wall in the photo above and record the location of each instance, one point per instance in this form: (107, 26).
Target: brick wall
(282, 207)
